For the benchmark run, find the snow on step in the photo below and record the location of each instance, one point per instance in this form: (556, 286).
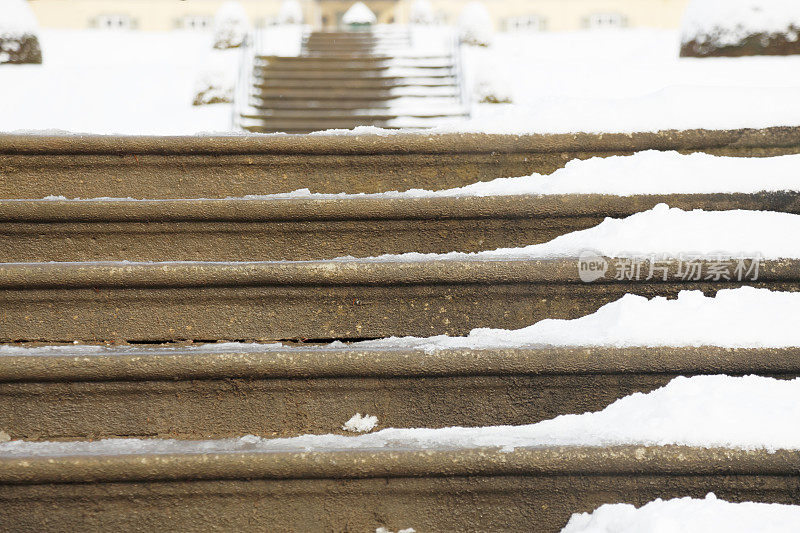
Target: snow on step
(746, 413)
(687, 515)
(745, 317)
(661, 231)
(647, 172)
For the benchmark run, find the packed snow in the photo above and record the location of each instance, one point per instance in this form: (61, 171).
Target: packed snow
(687, 515)
(359, 13)
(747, 413)
(745, 317)
(727, 22)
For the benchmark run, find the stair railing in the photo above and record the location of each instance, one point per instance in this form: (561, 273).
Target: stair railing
(244, 80)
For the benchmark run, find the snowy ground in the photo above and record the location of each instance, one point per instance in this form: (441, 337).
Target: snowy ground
(615, 80)
(98, 81)
(628, 80)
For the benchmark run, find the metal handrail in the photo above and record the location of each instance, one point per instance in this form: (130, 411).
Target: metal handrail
(244, 79)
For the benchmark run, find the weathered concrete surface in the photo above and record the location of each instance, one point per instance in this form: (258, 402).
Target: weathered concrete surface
(304, 229)
(217, 167)
(529, 489)
(95, 302)
(170, 392)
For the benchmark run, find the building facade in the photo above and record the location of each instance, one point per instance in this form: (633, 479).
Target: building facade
(508, 15)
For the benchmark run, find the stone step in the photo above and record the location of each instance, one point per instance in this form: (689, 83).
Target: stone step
(274, 229)
(174, 301)
(347, 93)
(270, 72)
(355, 113)
(369, 61)
(36, 166)
(229, 390)
(359, 85)
(242, 487)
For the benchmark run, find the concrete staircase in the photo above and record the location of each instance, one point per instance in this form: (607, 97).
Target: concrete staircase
(177, 276)
(348, 79)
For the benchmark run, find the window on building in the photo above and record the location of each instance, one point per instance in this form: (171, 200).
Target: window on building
(114, 22)
(605, 20)
(529, 23)
(193, 22)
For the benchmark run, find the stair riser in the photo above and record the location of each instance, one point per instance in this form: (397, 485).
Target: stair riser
(272, 301)
(267, 230)
(481, 490)
(169, 167)
(227, 394)
(381, 84)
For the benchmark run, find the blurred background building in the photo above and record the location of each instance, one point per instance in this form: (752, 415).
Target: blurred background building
(507, 15)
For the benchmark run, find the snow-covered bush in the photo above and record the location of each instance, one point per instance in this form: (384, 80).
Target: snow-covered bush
(740, 28)
(359, 15)
(231, 26)
(18, 33)
(421, 12)
(475, 25)
(217, 81)
(291, 12)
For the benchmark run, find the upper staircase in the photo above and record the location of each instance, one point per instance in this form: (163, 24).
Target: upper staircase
(347, 79)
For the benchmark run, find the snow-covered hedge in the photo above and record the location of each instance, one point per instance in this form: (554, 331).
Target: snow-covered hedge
(18, 33)
(475, 25)
(359, 14)
(231, 26)
(217, 81)
(291, 12)
(421, 12)
(741, 27)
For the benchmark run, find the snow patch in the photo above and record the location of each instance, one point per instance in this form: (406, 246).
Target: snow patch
(745, 317)
(660, 231)
(360, 424)
(687, 515)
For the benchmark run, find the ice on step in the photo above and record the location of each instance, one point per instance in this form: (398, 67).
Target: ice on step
(705, 411)
(687, 515)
